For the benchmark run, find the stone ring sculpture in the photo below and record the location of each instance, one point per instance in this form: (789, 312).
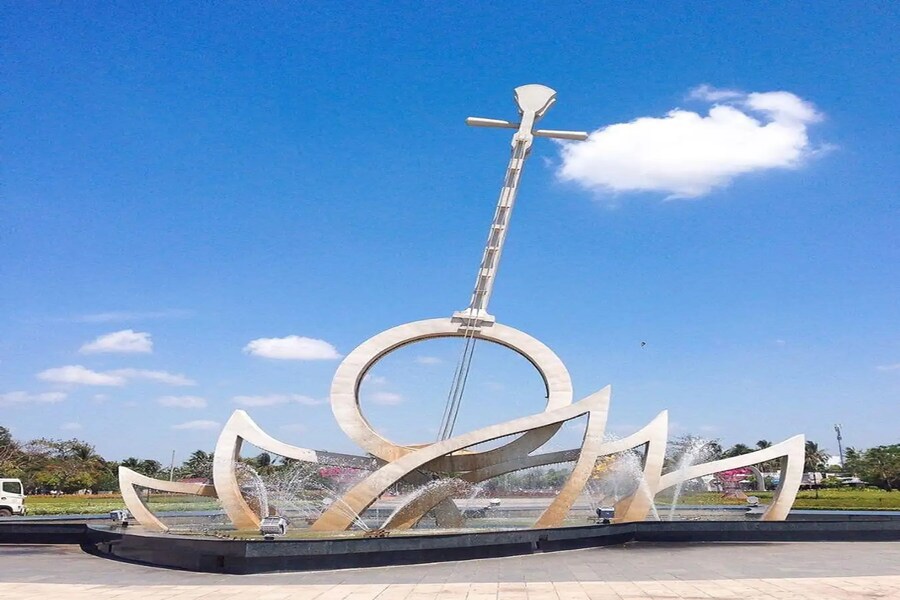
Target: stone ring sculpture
(349, 376)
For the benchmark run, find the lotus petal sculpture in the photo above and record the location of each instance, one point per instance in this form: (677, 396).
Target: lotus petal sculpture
(393, 462)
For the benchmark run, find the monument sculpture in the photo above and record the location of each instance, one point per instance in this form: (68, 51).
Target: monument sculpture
(390, 463)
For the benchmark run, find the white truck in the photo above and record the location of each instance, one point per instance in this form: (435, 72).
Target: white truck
(12, 498)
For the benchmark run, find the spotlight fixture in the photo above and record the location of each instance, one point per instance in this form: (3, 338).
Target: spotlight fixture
(272, 527)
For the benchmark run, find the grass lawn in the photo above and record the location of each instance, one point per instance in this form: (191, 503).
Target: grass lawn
(98, 504)
(831, 499)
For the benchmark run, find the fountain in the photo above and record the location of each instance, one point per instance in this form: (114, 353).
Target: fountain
(691, 454)
(618, 478)
(625, 473)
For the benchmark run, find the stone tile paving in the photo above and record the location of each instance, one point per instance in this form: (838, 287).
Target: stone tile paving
(826, 570)
(809, 588)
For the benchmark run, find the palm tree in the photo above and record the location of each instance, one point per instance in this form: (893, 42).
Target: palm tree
(131, 463)
(815, 457)
(199, 464)
(814, 461)
(738, 450)
(263, 463)
(769, 465)
(150, 467)
(84, 453)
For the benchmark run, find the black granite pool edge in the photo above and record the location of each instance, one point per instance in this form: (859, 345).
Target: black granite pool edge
(257, 556)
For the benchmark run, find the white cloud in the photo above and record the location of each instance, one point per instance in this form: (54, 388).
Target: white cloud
(70, 426)
(375, 379)
(125, 341)
(894, 367)
(783, 107)
(292, 347)
(275, 399)
(686, 154)
(13, 398)
(387, 398)
(780, 342)
(79, 375)
(295, 428)
(428, 360)
(270, 400)
(126, 315)
(710, 94)
(156, 376)
(306, 400)
(182, 401)
(198, 425)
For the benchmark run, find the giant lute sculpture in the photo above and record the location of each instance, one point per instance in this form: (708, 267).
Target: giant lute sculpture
(533, 101)
(390, 462)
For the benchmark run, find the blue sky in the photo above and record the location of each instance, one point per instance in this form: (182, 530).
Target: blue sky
(203, 176)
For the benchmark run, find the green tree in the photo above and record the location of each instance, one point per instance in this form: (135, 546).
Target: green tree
(815, 458)
(148, 467)
(198, 464)
(263, 463)
(556, 478)
(769, 465)
(697, 448)
(153, 468)
(131, 463)
(881, 466)
(737, 450)
(11, 456)
(108, 479)
(6, 438)
(853, 460)
(878, 466)
(64, 465)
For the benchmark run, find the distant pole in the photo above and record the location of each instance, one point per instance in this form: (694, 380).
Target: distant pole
(172, 467)
(837, 430)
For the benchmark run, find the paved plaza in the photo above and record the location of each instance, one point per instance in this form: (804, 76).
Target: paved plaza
(748, 571)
